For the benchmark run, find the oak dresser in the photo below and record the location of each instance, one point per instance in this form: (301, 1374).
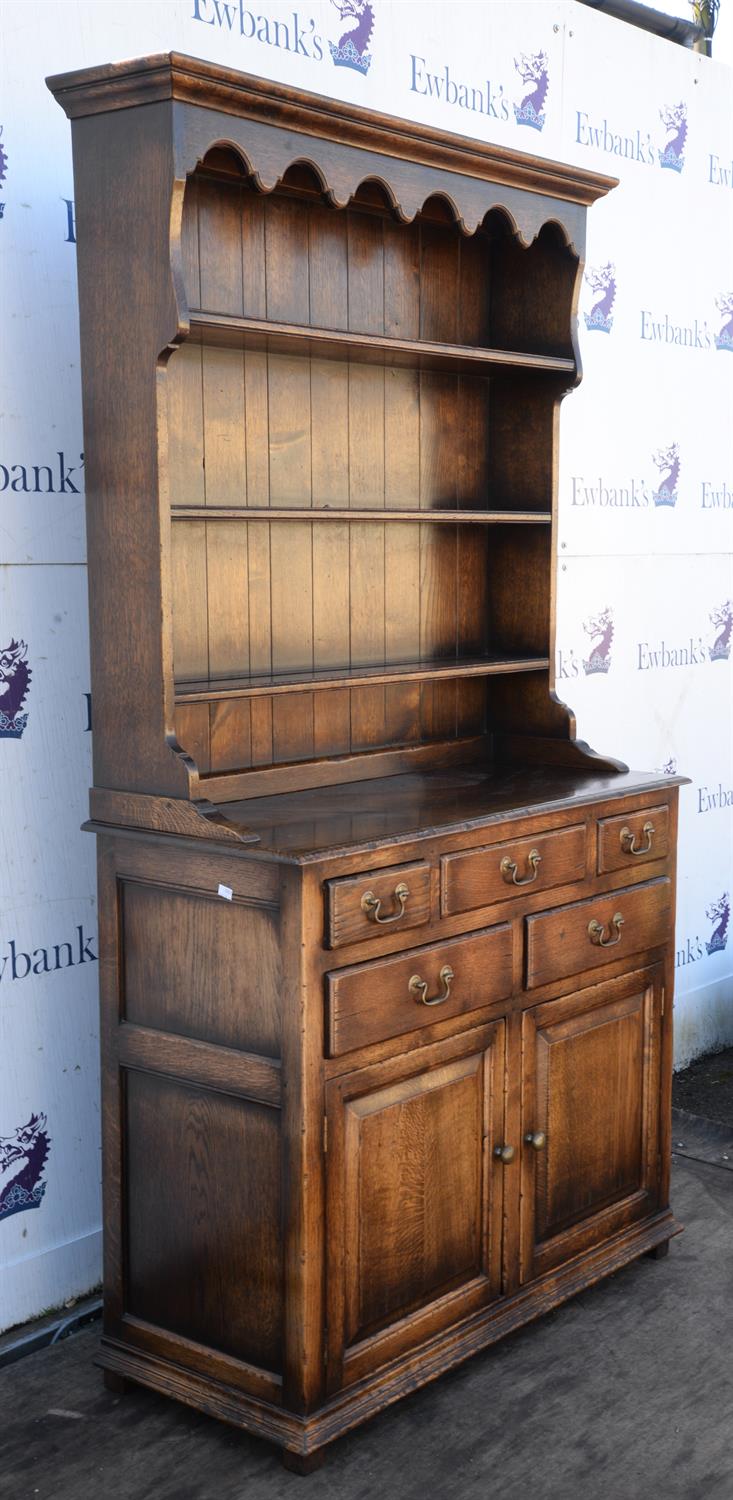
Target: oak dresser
(386, 952)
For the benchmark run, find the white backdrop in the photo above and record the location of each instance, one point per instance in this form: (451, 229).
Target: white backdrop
(646, 502)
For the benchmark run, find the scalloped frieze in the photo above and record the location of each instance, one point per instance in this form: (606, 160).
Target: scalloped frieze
(267, 152)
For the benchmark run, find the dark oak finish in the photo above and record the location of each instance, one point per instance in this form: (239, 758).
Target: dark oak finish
(370, 1002)
(358, 906)
(383, 1075)
(497, 871)
(591, 1088)
(627, 843)
(626, 922)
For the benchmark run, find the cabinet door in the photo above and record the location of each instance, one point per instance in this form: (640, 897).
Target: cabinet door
(414, 1198)
(591, 1089)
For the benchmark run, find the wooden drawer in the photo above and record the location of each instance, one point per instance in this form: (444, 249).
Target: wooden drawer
(370, 1002)
(497, 872)
(633, 839)
(362, 906)
(561, 942)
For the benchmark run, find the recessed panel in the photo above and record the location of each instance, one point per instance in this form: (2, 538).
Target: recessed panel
(415, 1150)
(590, 1088)
(202, 967)
(203, 1217)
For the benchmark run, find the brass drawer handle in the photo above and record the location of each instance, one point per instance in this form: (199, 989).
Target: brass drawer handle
(508, 868)
(535, 1138)
(504, 1154)
(371, 905)
(419, 987)
(628, 839)
(596, 931)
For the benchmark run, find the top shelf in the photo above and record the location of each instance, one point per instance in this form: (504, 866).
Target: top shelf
(365, 348)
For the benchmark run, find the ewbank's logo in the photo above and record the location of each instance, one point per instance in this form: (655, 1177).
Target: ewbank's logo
(667, 460)
(722, 618)
(719, 914)
(23, 1157)
(533, 70)
(3, 167)
(600, 629)
(602, 281)
(15, 676)
(352, 48)
(674, 119)
(724, 304)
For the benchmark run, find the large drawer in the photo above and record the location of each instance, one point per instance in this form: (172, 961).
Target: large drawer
(370, 1002)
(590, 933)
(497, 872)
(362, 906)
(633, 839)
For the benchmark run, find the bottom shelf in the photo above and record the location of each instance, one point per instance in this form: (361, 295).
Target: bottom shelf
(212, 689)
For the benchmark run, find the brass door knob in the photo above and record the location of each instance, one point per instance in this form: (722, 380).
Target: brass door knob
(535, 1138)
(504, 1153)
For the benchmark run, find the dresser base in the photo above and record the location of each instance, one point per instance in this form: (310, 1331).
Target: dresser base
(304, 1438)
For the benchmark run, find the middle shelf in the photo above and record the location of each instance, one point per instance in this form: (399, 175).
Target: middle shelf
(342, 513)
(211, 690)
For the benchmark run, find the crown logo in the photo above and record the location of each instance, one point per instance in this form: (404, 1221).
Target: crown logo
(23, 1156)
(15, 676)
(600, 629)
(674, 120)
(667, 460)
(533, 71)
(722, 618)
(351, 49)
(602, 281)
(719, 912)
(724, 304)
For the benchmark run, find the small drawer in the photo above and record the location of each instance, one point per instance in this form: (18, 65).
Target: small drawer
(497, 872)
(370, 1002)
(362, 906)
(590, 933)
(633, 839)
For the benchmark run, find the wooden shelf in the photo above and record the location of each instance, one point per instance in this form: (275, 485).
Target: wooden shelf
(349, 677)
(330, 513)
(323, 343)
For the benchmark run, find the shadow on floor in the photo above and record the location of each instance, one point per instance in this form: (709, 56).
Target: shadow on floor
(624, 1393)
(706, 1087)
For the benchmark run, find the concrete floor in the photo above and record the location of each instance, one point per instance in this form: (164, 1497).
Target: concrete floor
(626, 1393)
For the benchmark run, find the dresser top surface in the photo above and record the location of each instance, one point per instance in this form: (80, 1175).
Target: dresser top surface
(360, 815)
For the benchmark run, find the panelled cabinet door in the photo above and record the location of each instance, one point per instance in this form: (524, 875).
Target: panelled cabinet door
(414, 1198)
(590, 1117)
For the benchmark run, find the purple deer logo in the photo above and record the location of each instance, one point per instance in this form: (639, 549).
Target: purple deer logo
(357, 19)
(23, 1157)
(15, 676)
(602, 281)
(533, 71)
(3, 167)
(670, 766)
(674, 119)
(600, 629)
(722, 619)
(667, 460)
(724, 304)
(719, 913)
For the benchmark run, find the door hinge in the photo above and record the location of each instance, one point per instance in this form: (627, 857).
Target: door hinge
(663, 999)
(325, 1134)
